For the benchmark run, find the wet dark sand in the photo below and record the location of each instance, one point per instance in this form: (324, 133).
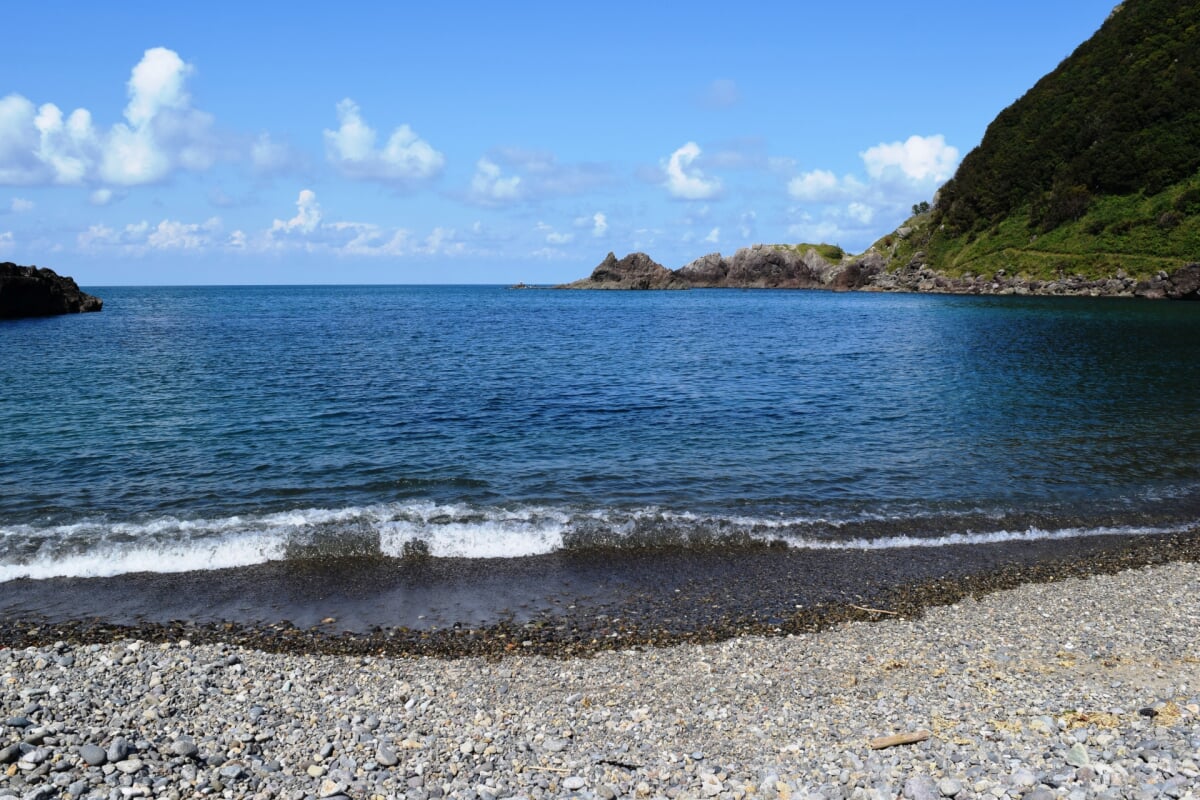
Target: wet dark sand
(570, 602)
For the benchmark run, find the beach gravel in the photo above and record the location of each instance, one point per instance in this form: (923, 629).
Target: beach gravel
(1084, 688)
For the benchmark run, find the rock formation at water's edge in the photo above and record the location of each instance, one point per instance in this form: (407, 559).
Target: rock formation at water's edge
(34, 292)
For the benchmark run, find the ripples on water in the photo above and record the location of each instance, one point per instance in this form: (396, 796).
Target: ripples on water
(202, 427)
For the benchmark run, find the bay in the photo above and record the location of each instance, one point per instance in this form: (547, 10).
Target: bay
(211, 427)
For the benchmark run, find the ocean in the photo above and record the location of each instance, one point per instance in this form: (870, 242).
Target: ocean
(425, 455)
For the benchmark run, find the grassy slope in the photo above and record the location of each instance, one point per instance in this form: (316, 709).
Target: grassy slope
(1135, 233)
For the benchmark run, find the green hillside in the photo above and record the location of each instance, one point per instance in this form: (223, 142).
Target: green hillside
(1094, 170)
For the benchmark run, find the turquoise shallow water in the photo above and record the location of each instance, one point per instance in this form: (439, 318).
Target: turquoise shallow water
(196, 428)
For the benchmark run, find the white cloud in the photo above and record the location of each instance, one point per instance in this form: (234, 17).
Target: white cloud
(554, 236)
(918, 158)
(157, 84)
(815, 231)
(860, 212)
(510, 175)
(173, 235)
(20, 205)
(269, 156)
(686, 181)
(101, 197)
(141, 237)
(714, 236)
(161, 133)
(405, 158)
(490, 187)
(308, 215)
(816, 186)
(442, 241)
(6, 241)
(311, 231)
(856, 211)
(599, 224)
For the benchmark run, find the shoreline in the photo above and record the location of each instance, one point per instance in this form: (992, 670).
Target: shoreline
(1083, 687)
(710, 607)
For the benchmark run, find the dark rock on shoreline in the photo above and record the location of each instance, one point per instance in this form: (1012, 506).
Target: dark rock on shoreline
(918, 276)
(34, 292)
(757, 267)
(634, 271)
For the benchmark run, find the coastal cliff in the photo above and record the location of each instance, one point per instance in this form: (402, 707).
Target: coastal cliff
(1089, 184)
(34, 292)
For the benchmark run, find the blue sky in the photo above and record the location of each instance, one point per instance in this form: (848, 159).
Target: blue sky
(152, 143)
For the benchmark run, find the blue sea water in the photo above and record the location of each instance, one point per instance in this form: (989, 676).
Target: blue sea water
(206, 427)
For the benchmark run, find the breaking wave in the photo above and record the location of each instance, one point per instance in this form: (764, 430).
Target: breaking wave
(101, 547)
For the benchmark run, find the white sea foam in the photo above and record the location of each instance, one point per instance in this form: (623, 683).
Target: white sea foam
(119, 560)
(100, 547)
(988, 537)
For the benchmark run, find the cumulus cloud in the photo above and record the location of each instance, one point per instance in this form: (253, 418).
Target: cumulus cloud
(510, 175)
(142, 237)
(918, 158)
(856, 210)
(554, 236)
(714, 236)
(861, 212)
(312, 231)
(6, 241)
(20, 205)
(161, 133)
(685, 180)
(405, 158)
(308, 215)
(599, 224)
(820, 185)
(101, 197)
(489, 186)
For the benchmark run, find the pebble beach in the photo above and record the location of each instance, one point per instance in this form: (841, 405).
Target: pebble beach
(1078, 688)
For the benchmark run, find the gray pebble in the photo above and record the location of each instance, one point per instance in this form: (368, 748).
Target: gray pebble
(184, 748)
(949, 787)
(93, 755)
(386, 756)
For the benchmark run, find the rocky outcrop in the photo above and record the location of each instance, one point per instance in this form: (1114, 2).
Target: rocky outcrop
(918, 276)
(33, 292)
(634, 271)
(782, 267)
(709, 270)
(1182, 284)
(757, 267)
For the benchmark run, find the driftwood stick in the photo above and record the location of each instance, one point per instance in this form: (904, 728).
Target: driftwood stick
(900, 738)
(548, 769)
(875, 610)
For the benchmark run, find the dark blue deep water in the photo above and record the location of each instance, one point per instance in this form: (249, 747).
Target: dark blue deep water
(193, 428)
